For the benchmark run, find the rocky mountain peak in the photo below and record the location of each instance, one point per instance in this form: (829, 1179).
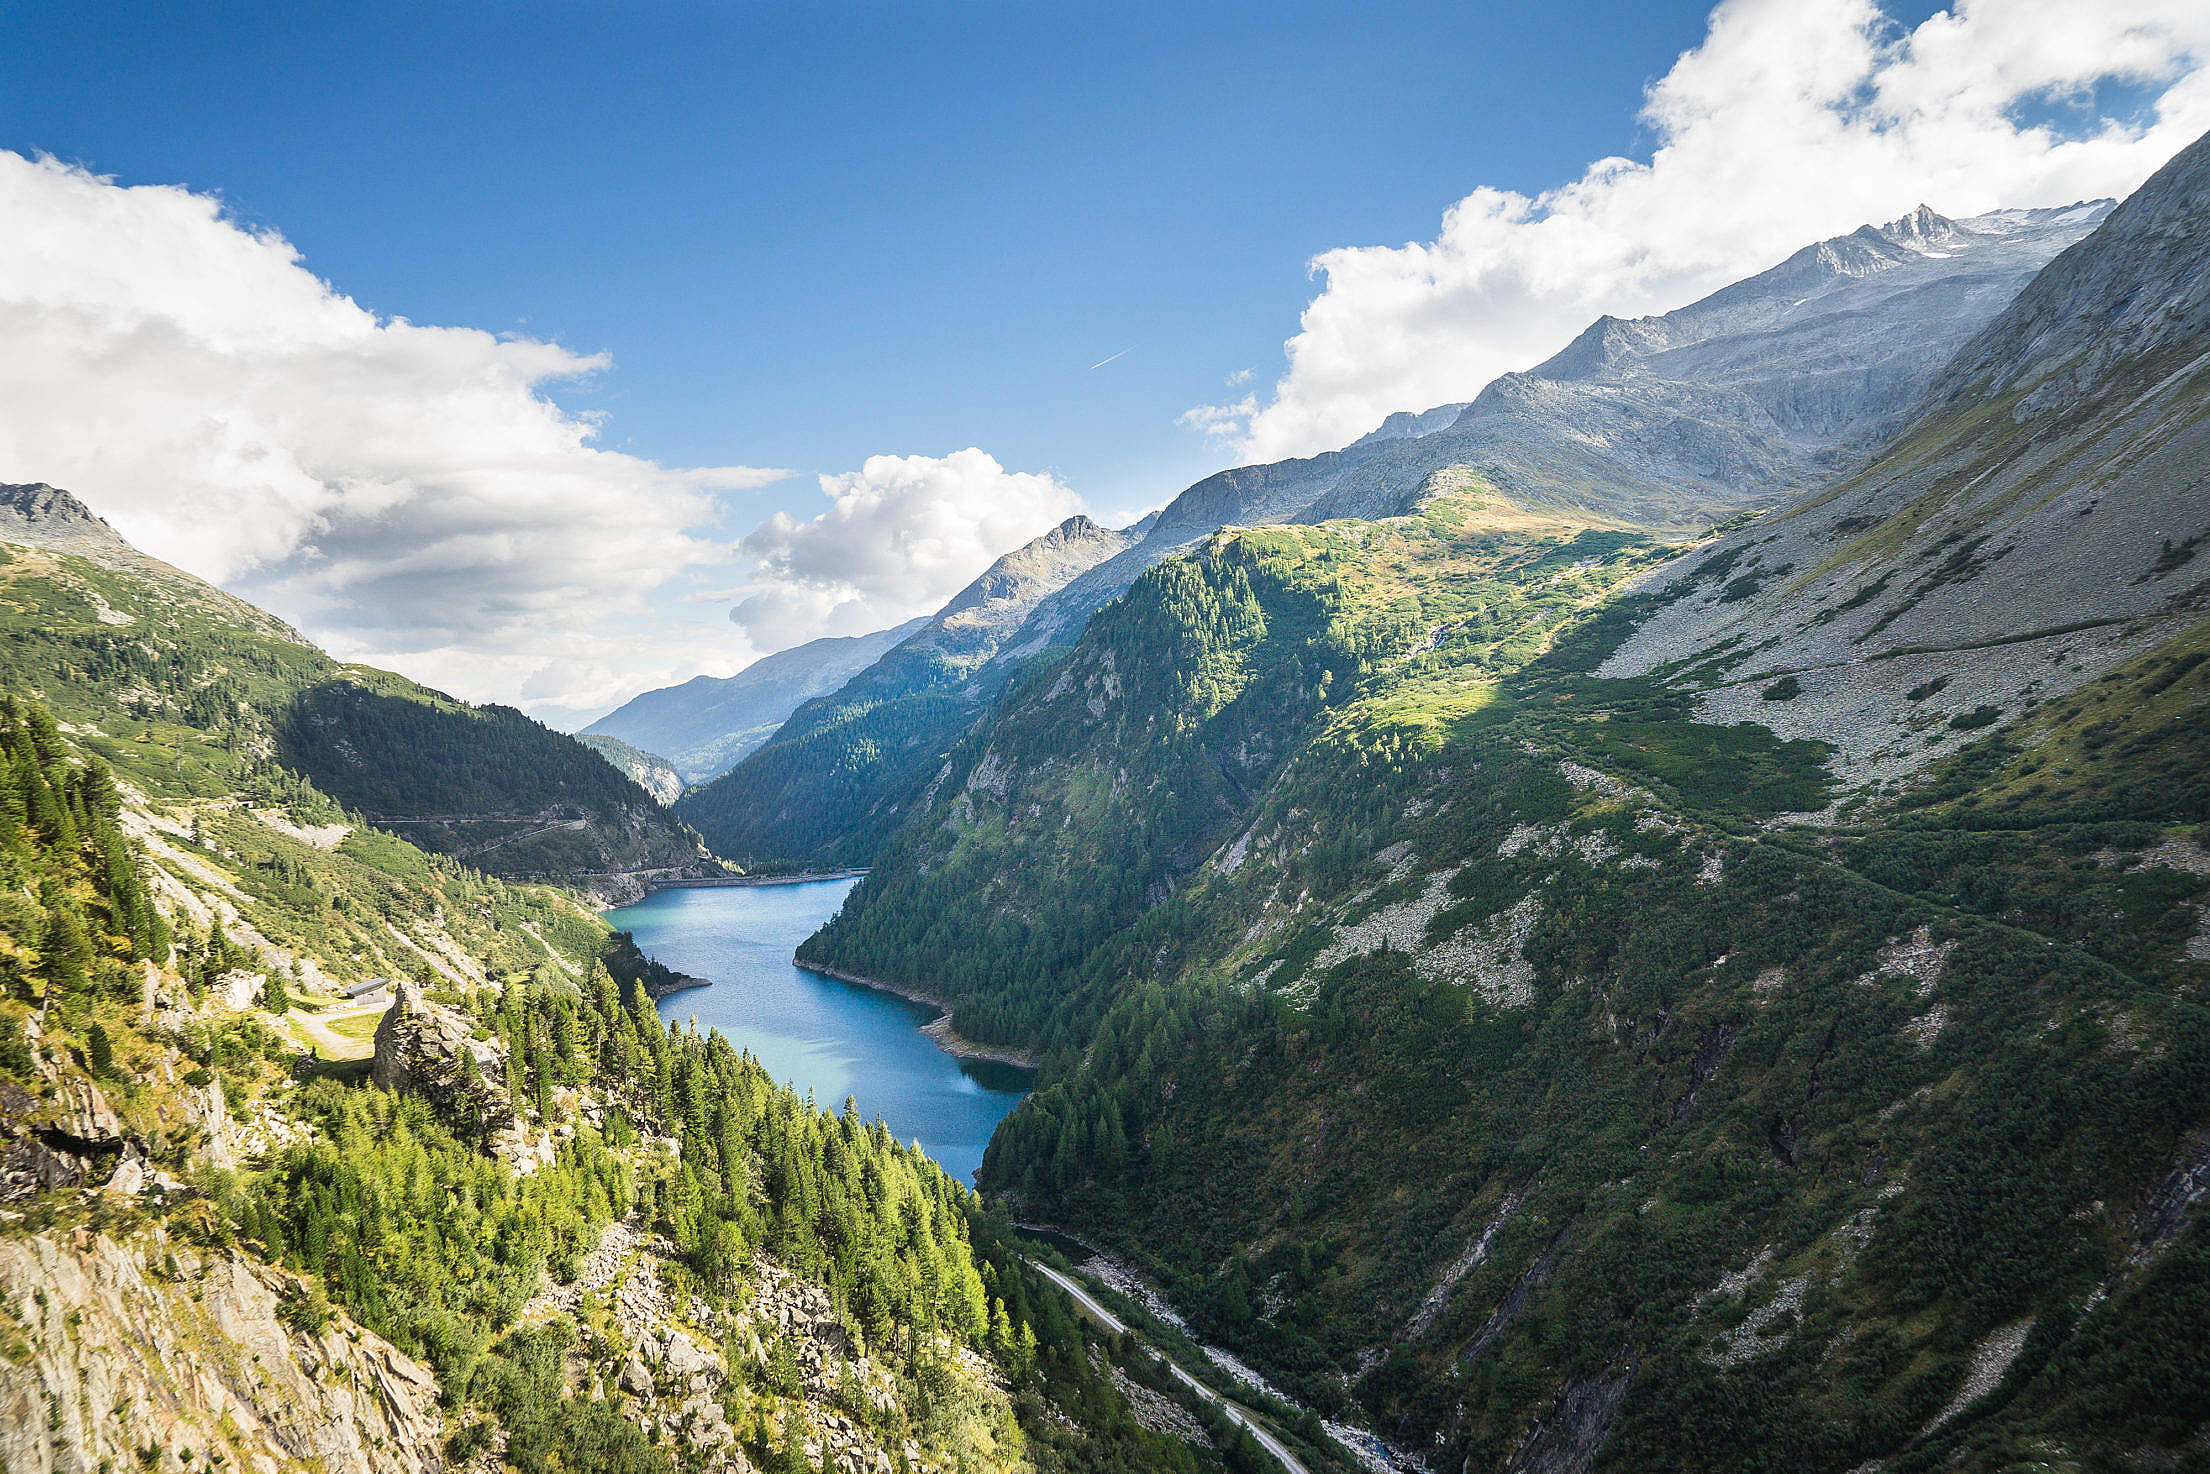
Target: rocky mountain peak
(1408, 425)
(2135, 291)
(1921, 227)
(43, 516)
(1074, 528)
(36, 514)
(1008, 588)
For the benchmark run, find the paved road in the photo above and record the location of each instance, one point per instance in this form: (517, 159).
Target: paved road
(1235, 1413)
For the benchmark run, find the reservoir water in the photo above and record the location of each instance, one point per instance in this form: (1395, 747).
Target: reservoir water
(833, 1038)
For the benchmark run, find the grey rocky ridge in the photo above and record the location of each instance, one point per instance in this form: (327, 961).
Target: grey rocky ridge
(1669, 423)
(707, 725)
(2033, 527)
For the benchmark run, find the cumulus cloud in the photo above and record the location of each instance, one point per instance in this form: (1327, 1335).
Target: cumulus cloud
(900, 536)
(1793, 121)
(407, 494)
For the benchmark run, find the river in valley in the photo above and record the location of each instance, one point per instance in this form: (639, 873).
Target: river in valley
(833, 1038)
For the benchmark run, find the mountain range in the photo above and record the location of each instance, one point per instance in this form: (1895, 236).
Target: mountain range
(705, 726)
(1658, 919)
(1667, 423)
(1573, 995)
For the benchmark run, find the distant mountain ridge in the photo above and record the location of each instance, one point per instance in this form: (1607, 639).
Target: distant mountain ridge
(705, 726)
(1673, 422)
(832, 779)
(1668, 423)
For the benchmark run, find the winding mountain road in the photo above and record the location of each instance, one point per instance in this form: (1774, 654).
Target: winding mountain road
(1236, 1414)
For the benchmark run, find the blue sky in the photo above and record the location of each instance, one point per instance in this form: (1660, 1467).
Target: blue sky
(550, 352)
(812, 233)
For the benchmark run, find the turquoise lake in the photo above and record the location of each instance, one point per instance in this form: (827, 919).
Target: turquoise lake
(835, 1039)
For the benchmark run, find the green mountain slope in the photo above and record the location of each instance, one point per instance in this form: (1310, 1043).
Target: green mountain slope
(836, 776)
(542, 1231)
(1490, 976)
(191, 694)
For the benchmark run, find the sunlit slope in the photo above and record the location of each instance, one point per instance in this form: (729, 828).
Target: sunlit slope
(2036, 525)
(1489, 973)
(190, 693)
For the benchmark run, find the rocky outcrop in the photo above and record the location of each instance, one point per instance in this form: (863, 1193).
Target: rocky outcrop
(69, 1137)
(153, 1353)
(239, 989)
(673, 1373)
(654, 774)
(426, 1049)
(1567, 1438)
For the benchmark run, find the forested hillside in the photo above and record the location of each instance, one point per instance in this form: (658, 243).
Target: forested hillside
(190, 694)
(1499, 983)
(547, 1230)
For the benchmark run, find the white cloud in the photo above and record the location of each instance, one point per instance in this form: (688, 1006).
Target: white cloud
(1221, 421)
(901, 535)
(407, 494)
(1793, 121)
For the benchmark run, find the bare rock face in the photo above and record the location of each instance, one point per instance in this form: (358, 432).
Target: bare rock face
(154, 1344)
(239, 989)
(429, 1050)
(70, 1139)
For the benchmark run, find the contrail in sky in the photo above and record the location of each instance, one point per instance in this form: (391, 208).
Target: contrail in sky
(1104, 361)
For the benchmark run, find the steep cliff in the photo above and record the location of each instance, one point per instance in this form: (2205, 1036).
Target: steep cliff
(150, 1351)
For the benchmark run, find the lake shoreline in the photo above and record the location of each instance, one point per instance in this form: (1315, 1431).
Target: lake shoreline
(683, 983)
(719, 882)
(940, 1030)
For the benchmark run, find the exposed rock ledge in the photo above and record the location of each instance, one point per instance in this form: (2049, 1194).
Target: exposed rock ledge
(682, 982)
(156, 1345)
(940, 1031)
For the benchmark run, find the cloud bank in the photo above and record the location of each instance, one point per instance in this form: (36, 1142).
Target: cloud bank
(407, 494)
(1793, 121)
(901, 535)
